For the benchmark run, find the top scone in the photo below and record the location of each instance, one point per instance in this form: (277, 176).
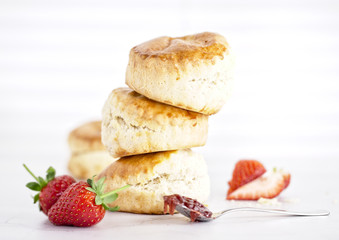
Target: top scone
(193, 72)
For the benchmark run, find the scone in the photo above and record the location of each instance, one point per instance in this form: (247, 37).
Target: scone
(86, 137)
(89, 157)
(193, 72)
(155, 175)
(133, 124)
(87, 164)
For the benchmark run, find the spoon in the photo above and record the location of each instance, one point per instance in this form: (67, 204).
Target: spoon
(201, 218)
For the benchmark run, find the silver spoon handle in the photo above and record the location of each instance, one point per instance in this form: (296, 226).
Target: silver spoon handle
(278, 211)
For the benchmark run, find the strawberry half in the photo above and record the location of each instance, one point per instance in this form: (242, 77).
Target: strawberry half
(50, 189)
(83, 204)
(244, 172)
(267, 186)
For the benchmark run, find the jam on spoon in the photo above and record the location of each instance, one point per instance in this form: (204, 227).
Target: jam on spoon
(195, 208)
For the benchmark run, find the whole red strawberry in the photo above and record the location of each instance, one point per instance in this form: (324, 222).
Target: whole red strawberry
(244, 172)
(83, 204)
(50, 189)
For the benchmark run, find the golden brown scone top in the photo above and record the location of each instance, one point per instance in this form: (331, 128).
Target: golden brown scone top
(199, 46)
(147, 109)
(137, 165)
(86, 137)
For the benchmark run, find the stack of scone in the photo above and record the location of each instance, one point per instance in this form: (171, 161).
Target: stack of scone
(88, 156)
(176, 83)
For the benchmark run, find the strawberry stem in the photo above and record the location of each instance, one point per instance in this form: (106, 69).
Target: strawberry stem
(31, 173)
(115, 191)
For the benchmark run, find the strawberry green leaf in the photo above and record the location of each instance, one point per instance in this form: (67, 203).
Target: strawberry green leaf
(36, 198)
(102, 188)
(50, 174)
(99, 186)
(33, 186)
(42, 182)
(110, 198)
(90, 182)
(91, 190)
(113, 209)
(100, 182)
(98, 200)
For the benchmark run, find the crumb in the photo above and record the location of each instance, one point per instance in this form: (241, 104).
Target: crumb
(269, 202)
(335, 201)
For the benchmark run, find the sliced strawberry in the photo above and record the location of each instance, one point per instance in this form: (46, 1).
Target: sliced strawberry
(267, 186)
(244, 172)
(287, 179)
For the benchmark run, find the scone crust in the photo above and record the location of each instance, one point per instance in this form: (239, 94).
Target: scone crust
(202, 46)
(86, 137)
(193, 72)
(155, 175)
(138, 168)
(133, 124)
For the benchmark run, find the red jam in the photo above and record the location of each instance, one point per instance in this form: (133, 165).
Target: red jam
(196, 208)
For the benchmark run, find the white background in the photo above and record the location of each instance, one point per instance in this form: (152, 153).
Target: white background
(59, 60)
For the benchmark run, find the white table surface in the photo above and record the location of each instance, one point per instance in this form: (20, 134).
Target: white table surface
(60, 59)
(308, 191)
